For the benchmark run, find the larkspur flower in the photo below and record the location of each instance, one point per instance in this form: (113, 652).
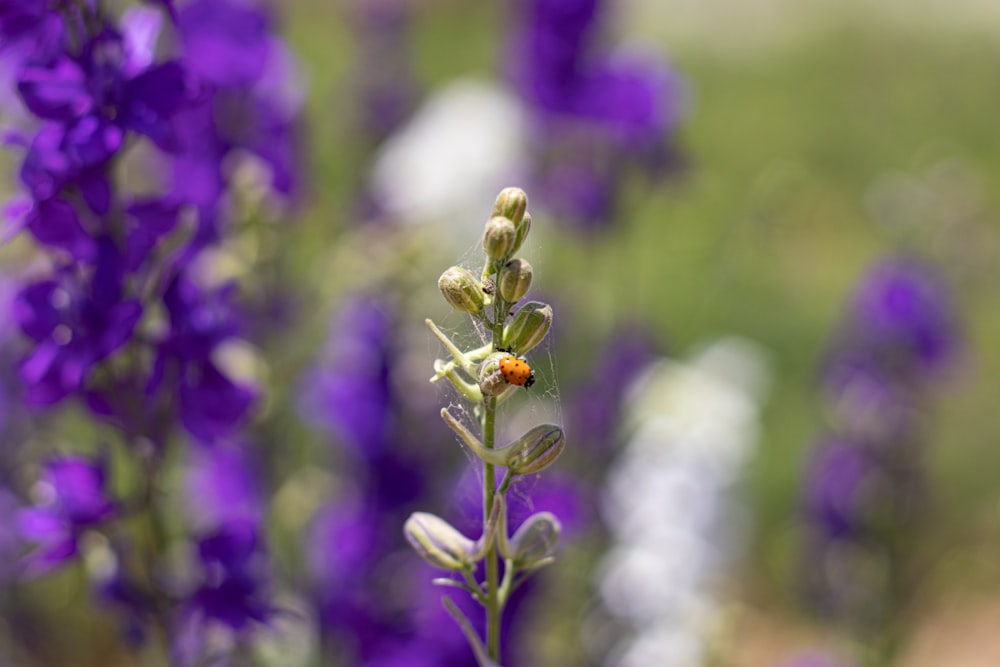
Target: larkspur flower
(865, 482)
(210, 405)
(595, 112)
(349, 392)
(73, 498)
(73, 326)
(123, 321)
(232, 596)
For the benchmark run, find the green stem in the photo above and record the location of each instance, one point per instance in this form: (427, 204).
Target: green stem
(492, 602)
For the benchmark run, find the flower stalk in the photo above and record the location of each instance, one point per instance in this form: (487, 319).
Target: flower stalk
(485, 377)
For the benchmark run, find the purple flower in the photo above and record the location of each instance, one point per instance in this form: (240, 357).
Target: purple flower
(73, 326)
(597, 114)
(349, 393)
(223, 486)
(210, 404)
(551, 49)
(840, 483)
(252, 104)
(226, 41)
(92, 100)
(233, 593)
(74, 499)
(870, 404)
(902, 315)
(595, 409)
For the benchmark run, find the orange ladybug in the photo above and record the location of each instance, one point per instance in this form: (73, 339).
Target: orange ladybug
(517, 371)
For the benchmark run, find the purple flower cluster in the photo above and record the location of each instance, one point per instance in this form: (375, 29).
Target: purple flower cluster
(864, 481)
(134, 128)
(597, 114)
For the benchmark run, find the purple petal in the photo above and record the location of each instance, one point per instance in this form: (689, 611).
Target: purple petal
(226, 41)
(54, 222)
(56, 91)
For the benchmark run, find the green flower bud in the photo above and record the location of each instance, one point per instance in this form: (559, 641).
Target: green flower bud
(522, 228)
(511, 204)
(534, 544)
(515, 279)
(461, 289)
(437, 542)
(498, 240)
(528, 328)
(536, 450)
(491, 380)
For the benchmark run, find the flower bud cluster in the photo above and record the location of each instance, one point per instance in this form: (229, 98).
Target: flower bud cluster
(485, 376)
(491, 300)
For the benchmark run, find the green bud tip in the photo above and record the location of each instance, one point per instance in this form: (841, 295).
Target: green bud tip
(522, 229)
(462, 291)
(511, 203)
(515, 279)
(499, 237)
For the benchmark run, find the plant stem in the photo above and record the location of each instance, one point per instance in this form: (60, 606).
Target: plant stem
(492, 603)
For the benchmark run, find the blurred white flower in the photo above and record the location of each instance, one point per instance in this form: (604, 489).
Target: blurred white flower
(670, 501)
(457, 151)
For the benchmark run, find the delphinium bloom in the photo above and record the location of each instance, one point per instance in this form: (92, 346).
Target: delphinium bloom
(598, 115)
(352, 396)
(229, 597)
(864, 486)
(670, 503)
(131, 149)
(74, 497)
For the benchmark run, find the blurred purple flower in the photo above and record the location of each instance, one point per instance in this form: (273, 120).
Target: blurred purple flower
(865, 482)
(253, 104)
(233, 594)
(210, 405)
(73, 327)
(840, 482)
(74, 498)
(349, 392)
(225, 41)
(595, 406)
(902, 315)
(597, 114)
(222, 486)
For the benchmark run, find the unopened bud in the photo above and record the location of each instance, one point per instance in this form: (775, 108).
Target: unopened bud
(536, 450)
(498, 240)
(534, 544)
(528, 328)
(437, 542)
(515, 279)
(461, 289)
(521, 228)
(511, 204)
(491, 380)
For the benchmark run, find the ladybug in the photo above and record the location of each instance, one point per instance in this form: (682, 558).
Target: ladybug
(517, 371)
